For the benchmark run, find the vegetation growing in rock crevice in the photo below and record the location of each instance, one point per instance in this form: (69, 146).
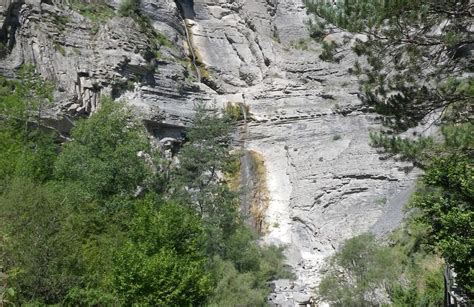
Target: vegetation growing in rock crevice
(128, 8)
(329, 52)
(99, 220)
(237, 111)
(97, 12)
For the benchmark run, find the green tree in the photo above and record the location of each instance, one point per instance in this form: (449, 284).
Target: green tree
(103, 154)
(164, 262)
(198, 180)
(70, 236)
(416, 54)
(39, 248)
(235, 288)
(26, 148)
(202, 159)
(107, 165)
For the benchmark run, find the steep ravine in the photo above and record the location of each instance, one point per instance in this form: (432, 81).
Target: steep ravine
(324, 182)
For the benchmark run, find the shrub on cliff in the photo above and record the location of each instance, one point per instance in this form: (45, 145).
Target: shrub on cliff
(357, 272)
(128, 8)
(364, 273)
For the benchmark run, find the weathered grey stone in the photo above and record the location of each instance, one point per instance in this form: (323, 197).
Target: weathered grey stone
(326, 184)
(115, 57)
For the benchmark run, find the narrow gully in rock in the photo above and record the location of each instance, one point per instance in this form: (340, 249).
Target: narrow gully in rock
(191, 50)
(183, 8)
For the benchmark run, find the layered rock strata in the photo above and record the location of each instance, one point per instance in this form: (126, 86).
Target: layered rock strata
(325, 183)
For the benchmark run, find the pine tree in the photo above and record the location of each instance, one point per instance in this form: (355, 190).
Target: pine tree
(418, 56)
(417, 62)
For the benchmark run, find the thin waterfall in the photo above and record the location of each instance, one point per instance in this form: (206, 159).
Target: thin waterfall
(191, 49)
(253, 193)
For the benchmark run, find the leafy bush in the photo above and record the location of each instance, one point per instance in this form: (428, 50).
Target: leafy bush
(164, 262)
(103, 153)
(237, 111)
(128, 8)
(235, 288)
(40, 252)
(364, 273)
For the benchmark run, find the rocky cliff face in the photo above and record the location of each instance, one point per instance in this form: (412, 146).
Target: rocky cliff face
(90, 54)
(325, 183)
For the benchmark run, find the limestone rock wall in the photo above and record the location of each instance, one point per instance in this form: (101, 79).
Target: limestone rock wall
(115, 56)
(325, 183)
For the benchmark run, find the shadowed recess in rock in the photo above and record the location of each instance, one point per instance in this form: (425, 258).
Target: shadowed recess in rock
(187, 8)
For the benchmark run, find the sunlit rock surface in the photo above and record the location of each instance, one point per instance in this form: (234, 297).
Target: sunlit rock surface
(325, 183)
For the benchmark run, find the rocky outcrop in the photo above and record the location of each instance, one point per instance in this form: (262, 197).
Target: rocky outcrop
(325, 183)
(88, 57)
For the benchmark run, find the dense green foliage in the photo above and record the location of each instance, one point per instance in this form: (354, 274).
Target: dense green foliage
(103, 155)
(163, 263)
(102, 220)
(446, 200)
(128, 8)
(202, 160)
(415, 64)
(364, 273)
(21, 104)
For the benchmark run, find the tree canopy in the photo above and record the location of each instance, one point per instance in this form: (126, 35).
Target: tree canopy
(104, 219)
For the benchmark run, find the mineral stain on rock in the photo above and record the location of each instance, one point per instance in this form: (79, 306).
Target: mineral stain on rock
(254, 192)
